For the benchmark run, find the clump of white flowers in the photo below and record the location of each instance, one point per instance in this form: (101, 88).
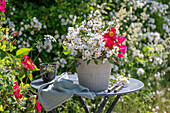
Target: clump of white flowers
(124, 80)
(140, 71)
(50, 38)
(86, 41)
(47, 43)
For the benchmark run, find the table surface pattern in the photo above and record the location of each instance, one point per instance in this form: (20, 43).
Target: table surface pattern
(134, 85)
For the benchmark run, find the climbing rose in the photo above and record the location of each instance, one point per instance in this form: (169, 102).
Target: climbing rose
(17, 90)
(109, 43)
(16, 85)
(27, 62)
(38, 106)
(120, 40)
(110, 39)
(111, 34)
(2, 6)
(122, 48)
(14, 42)
(13, 34)
(120, 55)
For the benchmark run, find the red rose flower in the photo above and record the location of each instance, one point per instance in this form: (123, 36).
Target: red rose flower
(38, 106)
(17, 91)
(13, 34)
(122, 48)
(111, 34)
(2, 6)
(109, 43)
(27, 62)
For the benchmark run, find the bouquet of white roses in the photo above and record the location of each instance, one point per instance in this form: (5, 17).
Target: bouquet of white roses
(95, 39)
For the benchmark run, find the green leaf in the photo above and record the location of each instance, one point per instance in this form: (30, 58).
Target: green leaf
(21, 77)
(11, 47)
(33, 90)
(30, 76)
(1, 108)
(122, 73)
(111, 80)
(95, 61)
(139, 60)
(65, 47)
(115, 76)
(66, 52)
(9, 56)
(7, 111)
(2, 54)
(23, 51)
(145, 49)
(110, 60)
(88, 62)
(35, 68)
(108, 8)
(112, 5)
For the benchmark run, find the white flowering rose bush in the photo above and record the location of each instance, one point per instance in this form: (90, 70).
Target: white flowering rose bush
(143, 23)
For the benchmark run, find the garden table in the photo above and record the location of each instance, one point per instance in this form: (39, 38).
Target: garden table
(134, 85)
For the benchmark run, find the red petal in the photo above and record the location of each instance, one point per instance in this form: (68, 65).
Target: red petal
(113, 29)
(120, 55)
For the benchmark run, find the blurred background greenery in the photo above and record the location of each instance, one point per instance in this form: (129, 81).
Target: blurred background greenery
(145, 24)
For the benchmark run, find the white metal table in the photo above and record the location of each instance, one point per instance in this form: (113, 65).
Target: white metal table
(134, 85)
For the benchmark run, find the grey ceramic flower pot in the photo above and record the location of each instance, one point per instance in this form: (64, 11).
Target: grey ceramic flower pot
(95, 77)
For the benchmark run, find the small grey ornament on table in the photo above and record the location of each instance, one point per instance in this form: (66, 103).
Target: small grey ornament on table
(119, 87)
(48, 71)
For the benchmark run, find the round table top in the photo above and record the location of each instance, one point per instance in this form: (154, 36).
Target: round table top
(134, 85)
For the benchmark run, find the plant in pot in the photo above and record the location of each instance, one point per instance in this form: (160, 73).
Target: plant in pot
(48, 71)
(95, 45)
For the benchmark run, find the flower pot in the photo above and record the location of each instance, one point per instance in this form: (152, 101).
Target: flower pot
(48, 75)
(93, 76)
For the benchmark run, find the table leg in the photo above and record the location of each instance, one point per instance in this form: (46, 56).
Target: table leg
(53, 111)
(113, 104)
(83, 104)
(106, 98)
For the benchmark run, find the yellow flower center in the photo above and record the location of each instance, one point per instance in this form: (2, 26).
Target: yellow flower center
(28, 62)
(111, 34)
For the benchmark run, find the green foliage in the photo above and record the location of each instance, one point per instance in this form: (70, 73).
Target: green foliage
(66, 51)
(23, 51)
(111, 60)
(155, 93)
(2, 54)
(88, 62)
(12, 70)
(95, 61)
